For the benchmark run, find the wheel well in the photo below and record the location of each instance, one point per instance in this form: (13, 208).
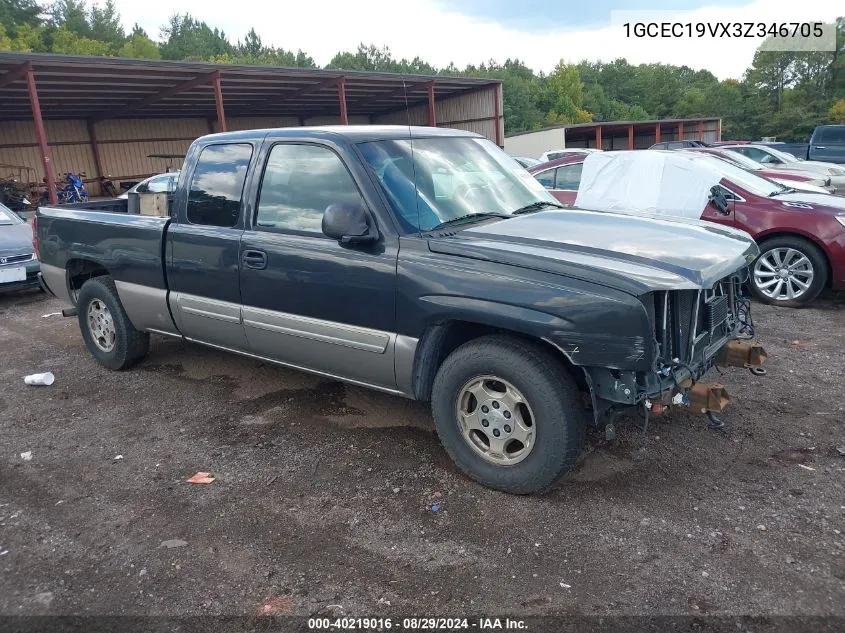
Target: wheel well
(441, 339)
(81, 270)
(770, 236)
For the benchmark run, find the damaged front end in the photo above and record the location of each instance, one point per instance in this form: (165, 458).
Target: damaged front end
(693, 330)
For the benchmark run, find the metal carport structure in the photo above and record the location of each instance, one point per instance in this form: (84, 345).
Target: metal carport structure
(80, 106)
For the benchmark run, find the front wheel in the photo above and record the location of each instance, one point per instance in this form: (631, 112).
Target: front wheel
(107, 331)
(789, 272)
(508, 414)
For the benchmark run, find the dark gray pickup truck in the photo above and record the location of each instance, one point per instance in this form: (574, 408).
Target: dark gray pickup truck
(422, 262)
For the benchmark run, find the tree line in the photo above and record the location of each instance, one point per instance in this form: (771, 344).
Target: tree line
(781, 94)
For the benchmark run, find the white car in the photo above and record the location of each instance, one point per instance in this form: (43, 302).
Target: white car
(554, 154)
(777, 159)
(816, 185)
(162, 183)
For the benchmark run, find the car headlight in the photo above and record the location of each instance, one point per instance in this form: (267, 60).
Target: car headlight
(840, 219)
(833, 171)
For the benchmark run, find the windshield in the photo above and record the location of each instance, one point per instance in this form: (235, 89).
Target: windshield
(745, 179)
(740, 159)
(455, 176)
(7, 216)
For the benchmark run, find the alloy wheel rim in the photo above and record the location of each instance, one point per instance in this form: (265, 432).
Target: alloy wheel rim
(101, 325)
(783, 274)
(496, 420)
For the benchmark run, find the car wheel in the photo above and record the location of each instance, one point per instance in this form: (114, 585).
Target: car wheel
(107, 331)
(508, 414)
(790, 272)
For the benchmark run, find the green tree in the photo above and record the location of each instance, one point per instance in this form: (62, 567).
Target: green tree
(72, 15)
(836, 114)
(139, 46)
(17, 13)
(66, 42)
(105, 25)
(189, 39)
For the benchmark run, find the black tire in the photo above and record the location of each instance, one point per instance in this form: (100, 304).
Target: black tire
(806, 248)
(559, 418)
(130, 345)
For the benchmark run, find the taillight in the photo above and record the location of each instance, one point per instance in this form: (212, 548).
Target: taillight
(35, 235)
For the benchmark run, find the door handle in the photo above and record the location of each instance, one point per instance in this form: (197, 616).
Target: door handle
(255, 259)
(819, 147)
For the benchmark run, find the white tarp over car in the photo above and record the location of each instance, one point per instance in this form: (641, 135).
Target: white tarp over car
(659, 183)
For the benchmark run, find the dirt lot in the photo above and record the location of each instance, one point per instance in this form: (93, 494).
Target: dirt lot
(323, 494)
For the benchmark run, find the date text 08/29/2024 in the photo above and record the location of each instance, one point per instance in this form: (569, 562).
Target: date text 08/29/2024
(416, 624)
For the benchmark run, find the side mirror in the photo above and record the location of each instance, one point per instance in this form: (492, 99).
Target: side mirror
(348, 223)
(718, 199)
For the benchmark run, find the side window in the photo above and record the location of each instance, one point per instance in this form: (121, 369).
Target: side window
(218, 184)
(761, 157)
(299, 182)
(546, 178)
(160, 184)
(832, 135)
(569, 176)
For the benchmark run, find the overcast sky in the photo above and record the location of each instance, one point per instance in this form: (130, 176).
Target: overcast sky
(539, 32)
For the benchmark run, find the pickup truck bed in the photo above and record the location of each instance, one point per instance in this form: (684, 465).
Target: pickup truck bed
(355, 254)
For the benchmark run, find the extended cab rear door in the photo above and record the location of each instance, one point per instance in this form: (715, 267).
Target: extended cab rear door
(309, 301)
(203, 244)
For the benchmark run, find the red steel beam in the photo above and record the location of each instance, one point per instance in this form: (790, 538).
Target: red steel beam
(432, 114)
(598, 137)
(657, 132)
(218, 102)
(680, 130)
(630, 137)
(46, 159)
(341, 97)
(17, 72)
(163, 94)
(95, 148)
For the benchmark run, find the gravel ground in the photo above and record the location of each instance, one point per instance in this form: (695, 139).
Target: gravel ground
(323, 493)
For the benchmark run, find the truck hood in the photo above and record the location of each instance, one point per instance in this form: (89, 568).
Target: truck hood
(627, 252)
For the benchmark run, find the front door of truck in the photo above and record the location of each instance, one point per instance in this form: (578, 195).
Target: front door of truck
(203, 247)
(309, 301)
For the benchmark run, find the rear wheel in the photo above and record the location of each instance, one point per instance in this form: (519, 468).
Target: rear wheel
(508, 414)
(107, 331)
(790, 272)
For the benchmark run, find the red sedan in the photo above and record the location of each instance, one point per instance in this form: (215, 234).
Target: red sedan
(801, 235)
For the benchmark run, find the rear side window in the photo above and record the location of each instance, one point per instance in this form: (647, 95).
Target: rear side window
(546, 178)
(569, 177)
(218, 184)
(832, 135)
(300, 182)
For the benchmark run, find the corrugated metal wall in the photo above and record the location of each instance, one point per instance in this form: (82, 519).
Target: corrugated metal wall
(474, 112)
(533, 144)
(125, 144)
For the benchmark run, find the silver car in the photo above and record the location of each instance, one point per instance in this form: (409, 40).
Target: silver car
(18, 264)
(162, 183)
